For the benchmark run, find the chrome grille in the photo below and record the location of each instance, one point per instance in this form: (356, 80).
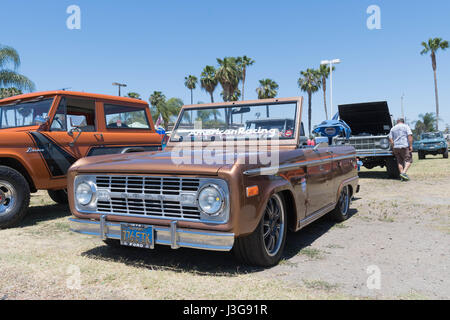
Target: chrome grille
(363, 144)
(150, 196)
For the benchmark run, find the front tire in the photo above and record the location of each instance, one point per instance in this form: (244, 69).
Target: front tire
(445, 154)
(14, 197)
(421, 155)
(392, 168)
(59, 196)
(264, 247)
(341, 212)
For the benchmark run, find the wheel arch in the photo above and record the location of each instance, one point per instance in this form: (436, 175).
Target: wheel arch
(285, 189)
(20, 167)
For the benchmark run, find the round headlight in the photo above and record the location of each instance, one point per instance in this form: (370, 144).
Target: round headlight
(84, 193)
(211, 199)
(384, 143)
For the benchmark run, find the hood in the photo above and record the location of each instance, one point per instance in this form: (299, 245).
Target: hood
(367, 118)
(160, 162)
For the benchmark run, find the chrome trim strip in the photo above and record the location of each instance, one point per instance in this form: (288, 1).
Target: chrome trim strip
(294, 166)
(362, 138)
(372, 154)
(189, 238)
(316, 215)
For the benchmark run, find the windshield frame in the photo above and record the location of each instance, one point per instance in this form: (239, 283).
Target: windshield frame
(277, 101)
(18, 102)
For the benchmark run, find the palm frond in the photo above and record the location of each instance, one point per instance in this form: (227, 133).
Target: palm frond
(12, 78)
(8, 54)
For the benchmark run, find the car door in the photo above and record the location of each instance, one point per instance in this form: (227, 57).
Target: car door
(71, 134)
(124, 128)
(319, 179)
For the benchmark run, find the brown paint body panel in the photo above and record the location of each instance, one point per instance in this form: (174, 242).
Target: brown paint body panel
(312, 177)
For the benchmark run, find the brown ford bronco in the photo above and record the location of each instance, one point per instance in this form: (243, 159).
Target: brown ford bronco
(218, 185)
(42, 134)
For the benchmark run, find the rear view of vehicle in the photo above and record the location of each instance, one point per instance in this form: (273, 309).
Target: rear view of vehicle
(370, 124)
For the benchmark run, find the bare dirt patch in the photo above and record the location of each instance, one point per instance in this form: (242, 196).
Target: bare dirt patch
(401, 228)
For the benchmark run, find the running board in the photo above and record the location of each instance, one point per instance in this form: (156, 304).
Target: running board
(316, 215)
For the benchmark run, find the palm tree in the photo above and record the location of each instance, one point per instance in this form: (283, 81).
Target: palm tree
(156, 98)
(433, 45)
(267, 89)
(134, 95)
(243, 63)
(309, 82)
(228, 74)
(425, 124)
(158, 102)
(208, 80)
(191, 83)
(9, 77)
(9, 92)
(324, 72)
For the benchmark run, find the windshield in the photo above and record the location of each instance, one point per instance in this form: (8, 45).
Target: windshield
(24, 114)
(431, 135)
(239, 123)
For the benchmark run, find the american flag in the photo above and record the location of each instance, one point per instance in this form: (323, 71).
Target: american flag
(159, 122)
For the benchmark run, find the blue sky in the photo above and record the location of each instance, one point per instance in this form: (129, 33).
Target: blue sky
(153, 45)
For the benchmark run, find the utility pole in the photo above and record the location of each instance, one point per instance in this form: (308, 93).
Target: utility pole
(331, 62)
(403, 112)
(119, 85)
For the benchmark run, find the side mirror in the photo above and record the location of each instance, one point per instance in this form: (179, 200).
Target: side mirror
(42, 122)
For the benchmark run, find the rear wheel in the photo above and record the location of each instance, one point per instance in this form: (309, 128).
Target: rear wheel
(341, 212)
(264, 247)
(392, 168)
(59, 196)
(421, 155)
(14, 197)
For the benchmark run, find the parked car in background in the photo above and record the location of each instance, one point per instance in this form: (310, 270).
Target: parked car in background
(229, 199)
(370, 123)
(432, 143)
(415, 145)
(42, 134)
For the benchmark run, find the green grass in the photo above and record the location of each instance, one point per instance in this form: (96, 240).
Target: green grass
(311, 253)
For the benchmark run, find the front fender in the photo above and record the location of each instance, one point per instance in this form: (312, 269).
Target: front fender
(252, 208)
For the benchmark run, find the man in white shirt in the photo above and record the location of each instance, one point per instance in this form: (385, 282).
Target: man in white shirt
(401, 140)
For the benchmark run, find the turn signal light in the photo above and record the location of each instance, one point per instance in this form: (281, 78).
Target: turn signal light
(252, 191)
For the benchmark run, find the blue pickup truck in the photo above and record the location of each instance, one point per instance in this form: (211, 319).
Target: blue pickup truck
(432, 143)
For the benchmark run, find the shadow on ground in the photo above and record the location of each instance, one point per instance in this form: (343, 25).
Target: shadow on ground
(205, 262)
(38, 214)
(374, 175)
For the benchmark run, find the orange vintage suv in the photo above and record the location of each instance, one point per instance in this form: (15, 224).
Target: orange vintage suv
(42, 134)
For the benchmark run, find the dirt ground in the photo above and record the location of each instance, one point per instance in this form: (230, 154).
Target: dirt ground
(395, 246)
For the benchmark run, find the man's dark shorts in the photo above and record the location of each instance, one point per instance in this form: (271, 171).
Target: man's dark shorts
(403, 155)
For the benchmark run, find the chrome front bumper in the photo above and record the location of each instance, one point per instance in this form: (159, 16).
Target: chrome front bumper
(171, 236)
(373, 153)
